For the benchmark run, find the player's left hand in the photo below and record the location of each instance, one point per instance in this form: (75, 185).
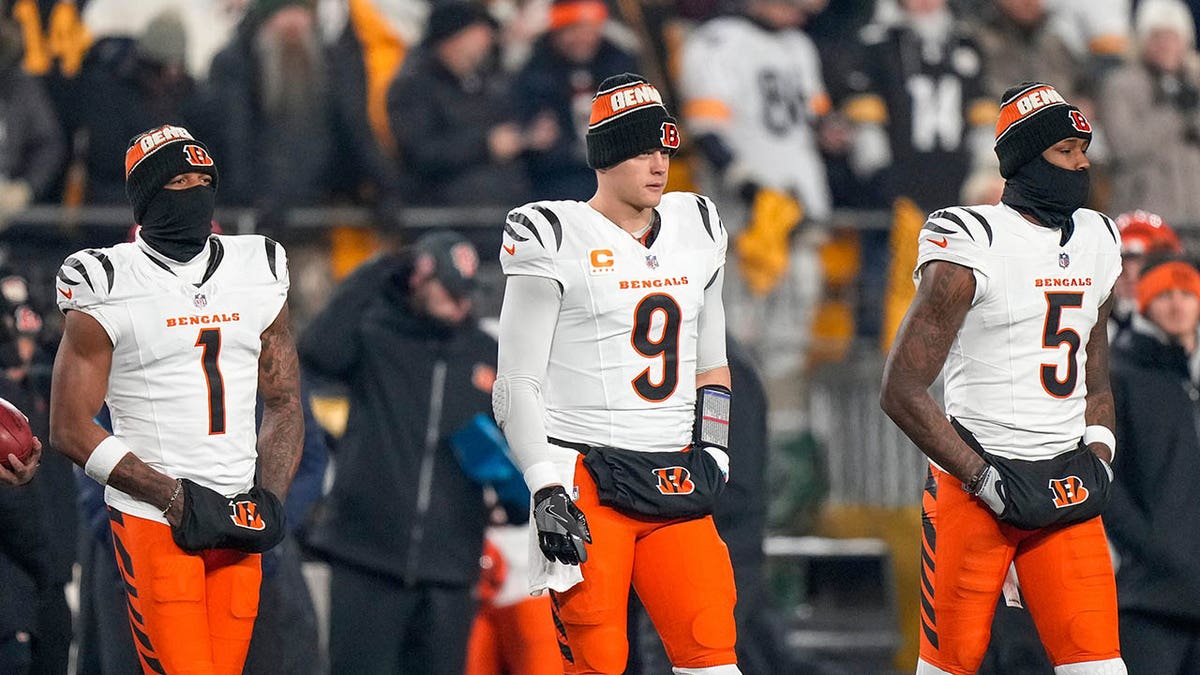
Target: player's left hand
(22, 472)
(562, 527)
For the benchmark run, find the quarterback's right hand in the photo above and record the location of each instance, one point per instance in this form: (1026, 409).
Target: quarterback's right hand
(562, 527)
(251, 522)
(989, 488)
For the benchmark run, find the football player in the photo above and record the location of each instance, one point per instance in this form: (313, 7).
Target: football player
(1013, 302)
(613, 391)
(178, 332)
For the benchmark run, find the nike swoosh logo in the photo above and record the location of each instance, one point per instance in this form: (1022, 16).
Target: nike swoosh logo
(510, 249)
(943, 242)
(67, 293)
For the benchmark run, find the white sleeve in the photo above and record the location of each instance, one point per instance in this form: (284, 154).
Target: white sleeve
(528, 318)
(710, 347)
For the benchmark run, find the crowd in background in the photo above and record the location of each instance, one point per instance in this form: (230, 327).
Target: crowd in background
(793, 112)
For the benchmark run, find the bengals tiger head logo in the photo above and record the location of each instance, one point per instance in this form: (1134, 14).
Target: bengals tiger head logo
(1068, 491)
(674, 480)
(245, 514)
(196, 155)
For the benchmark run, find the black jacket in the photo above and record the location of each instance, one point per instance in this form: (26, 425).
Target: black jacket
(551, 83)
(400, 505)
(1153, 517)
(441, 126)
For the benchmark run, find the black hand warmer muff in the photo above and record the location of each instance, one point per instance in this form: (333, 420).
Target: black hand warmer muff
(1063, 490)
(251, 522)
(657, 484)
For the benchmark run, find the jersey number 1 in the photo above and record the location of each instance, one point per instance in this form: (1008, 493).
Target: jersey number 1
(210, 340)
(665, 346)
(1053, 336)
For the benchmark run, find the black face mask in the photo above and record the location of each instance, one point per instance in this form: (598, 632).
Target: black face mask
(177, 222)
(1048, 193)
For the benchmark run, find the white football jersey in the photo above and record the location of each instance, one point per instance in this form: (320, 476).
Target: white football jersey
(622, 368)
(1015, 374)
(184, 377)
(768, 91)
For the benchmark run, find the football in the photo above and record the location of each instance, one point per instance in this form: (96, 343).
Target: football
(15, 435)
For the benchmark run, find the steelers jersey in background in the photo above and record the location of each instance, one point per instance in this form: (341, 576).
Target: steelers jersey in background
(184, 377)
(1015, 374)
(928, 96)
(761, 92)
(623, 362)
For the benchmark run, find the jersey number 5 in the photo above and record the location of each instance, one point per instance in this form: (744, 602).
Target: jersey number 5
(210, 340)
(652, 344)
(1053, 336)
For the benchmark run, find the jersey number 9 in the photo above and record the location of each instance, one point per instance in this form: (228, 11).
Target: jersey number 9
(661, 344)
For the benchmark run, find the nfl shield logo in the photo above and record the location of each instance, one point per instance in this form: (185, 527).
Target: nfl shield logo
(652, 262)
(1064, 260)
(200, 301)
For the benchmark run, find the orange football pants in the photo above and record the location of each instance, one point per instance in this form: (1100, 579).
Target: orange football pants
(191, 614)
(681, 572)
(516, 639)
(1065, 574)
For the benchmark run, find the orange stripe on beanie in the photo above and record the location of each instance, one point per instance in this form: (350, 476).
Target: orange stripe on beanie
(1033, 117)
(628, 118)
(1175, 275)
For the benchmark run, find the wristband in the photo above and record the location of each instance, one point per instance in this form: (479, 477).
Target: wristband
(1098, 433)
(711, 427)
(104, 459)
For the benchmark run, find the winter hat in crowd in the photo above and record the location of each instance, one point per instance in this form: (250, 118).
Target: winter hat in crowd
(164, 40)
(451, 259)
(1033, 117)
(1173, 15)
(1169, 276)
(628, 118)
(158, 155)
(568, 12)
(448, 20)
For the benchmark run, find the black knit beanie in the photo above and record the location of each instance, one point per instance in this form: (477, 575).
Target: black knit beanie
(1033, 117)
(158, 155)
(628, 118)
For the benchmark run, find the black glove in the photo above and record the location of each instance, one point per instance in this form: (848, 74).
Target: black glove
(562, 527)
(251, 522)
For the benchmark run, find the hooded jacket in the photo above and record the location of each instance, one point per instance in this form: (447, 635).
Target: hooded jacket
(401, 505)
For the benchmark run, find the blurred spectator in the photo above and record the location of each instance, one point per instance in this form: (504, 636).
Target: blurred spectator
(753, 98)
(207, 24)
(54, 44)
(128, 86)
(23, 564)
(31, 141)
(25, 382)
(553, 94)
(1020, 44)
(1142, 234)
(289, 129)
(1153, 517)
(403, 525)
(916, 94)
(271, 88)
(450, 112)
(1151, 111)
